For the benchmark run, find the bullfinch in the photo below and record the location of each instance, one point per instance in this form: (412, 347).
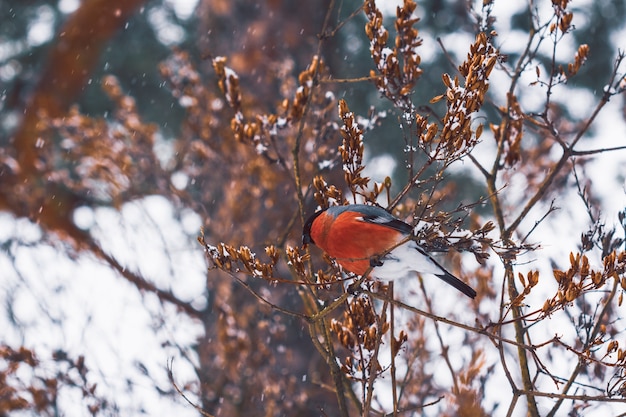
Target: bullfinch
(360, 236)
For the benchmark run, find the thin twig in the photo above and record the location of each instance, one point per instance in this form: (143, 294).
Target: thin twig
(580, 365)
(394, 386)
(374, 365)
(442, 345)
(346, 80)
(170, 375)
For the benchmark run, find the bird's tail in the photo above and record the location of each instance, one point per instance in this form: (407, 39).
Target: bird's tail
(428, 264)
(457, 283)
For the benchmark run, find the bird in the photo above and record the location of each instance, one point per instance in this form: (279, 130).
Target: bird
(361, 236)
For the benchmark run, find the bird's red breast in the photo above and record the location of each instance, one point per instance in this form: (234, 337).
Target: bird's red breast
(352, 241)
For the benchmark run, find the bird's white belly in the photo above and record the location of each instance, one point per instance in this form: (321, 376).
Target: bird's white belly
(403, 260)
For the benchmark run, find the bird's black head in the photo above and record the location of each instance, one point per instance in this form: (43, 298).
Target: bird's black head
(306, 230)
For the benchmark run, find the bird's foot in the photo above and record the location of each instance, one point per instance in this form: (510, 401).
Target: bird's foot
(376, 261)
(354, 288)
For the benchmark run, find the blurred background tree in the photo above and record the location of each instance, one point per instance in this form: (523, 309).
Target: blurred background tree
(120, 139)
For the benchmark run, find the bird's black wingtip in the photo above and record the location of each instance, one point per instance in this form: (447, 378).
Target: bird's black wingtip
(458, 284)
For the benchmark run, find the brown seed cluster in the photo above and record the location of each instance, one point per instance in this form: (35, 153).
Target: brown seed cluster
(102, 160)
(561, 26)
(326, 195)
(563, 17)
(359, 328)
(351, 152)
(528, 282)
(262, 130)
(233, 260)
(580, 278)
(579, 60)
(457, 135)
(295, 259)
(397, 67)
(228, 82)
(30, 385)
(509, 132)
